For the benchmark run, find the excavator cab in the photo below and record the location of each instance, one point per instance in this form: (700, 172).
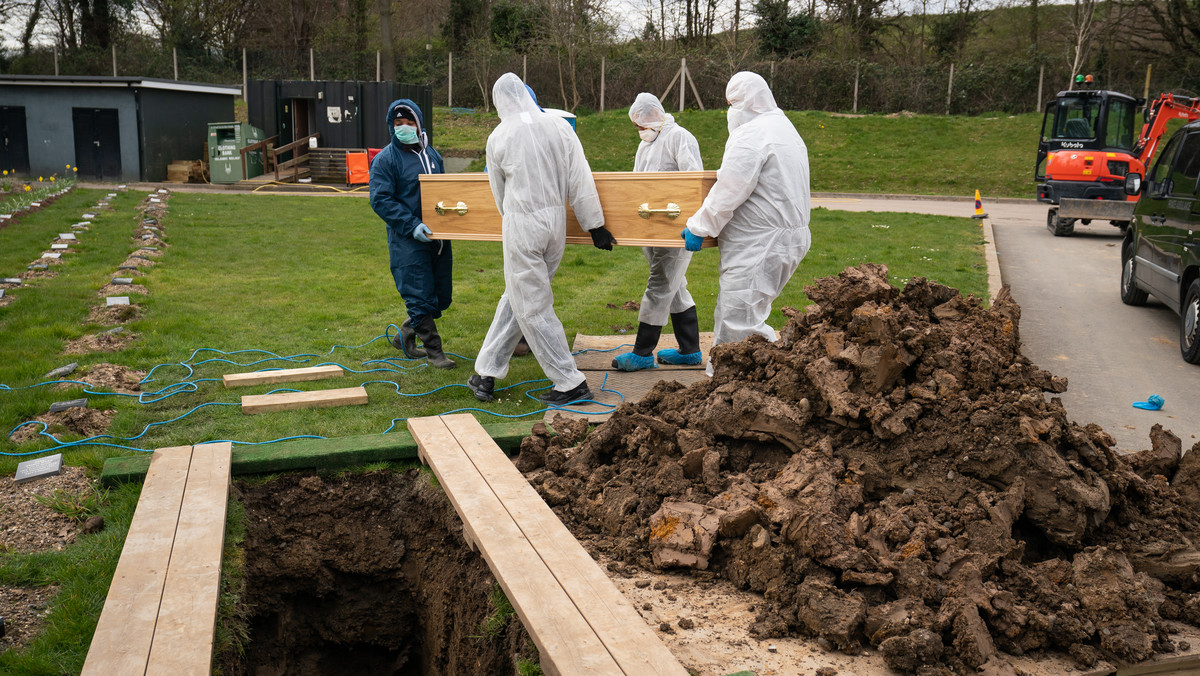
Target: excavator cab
(1086, 146)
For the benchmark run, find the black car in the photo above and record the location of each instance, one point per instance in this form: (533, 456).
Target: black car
(1161, 251)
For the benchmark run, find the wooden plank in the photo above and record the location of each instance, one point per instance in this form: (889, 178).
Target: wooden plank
(566, 644)
(121, 643)
(625, 634)
(283, 375)
(620, 192)
(286, 401)
(187, 616)
(319, 453)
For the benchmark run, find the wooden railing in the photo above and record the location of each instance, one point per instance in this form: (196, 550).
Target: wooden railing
(300, 159)
(263, 147)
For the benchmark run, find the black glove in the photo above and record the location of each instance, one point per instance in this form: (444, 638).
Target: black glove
(602, 238)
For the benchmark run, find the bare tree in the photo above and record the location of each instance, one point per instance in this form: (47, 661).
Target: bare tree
(574, 27)
(1085, 24)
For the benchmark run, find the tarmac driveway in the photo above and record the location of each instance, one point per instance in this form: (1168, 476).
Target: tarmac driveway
(1073, 322)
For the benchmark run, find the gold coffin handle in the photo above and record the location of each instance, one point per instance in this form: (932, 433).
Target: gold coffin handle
(441, 208)
(672, 210)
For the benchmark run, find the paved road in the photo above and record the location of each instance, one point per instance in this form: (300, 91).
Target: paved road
(1074, 324)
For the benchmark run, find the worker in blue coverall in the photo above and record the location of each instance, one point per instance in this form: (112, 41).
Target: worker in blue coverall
(421, 266)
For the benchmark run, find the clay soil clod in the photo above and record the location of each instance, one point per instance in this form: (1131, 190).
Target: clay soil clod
(893, 472)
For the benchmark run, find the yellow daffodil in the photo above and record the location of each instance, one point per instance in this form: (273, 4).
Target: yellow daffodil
(6, 172)
(40, 179)
(27, 188)
(74, 169)
(51, 179)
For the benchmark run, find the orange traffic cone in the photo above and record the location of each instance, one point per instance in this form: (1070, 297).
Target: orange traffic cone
(979, 212)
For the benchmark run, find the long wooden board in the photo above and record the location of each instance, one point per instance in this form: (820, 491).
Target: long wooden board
(121, 642)
(618, 625)
(621, 194)
(187, 615)
(282, 375)
(286, 401)
(567, 645)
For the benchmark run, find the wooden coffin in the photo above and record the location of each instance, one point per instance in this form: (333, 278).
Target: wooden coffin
(640, 209)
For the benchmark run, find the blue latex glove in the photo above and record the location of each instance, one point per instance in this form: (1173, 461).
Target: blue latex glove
(422, 232)
(691, 242)
(1152, 403)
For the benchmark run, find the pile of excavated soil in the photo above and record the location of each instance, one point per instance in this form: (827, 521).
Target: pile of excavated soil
(111, 315)
(106, 377)
(85, 422)
(892, 473)
(365, 574)
(111, 289)
(99, 342)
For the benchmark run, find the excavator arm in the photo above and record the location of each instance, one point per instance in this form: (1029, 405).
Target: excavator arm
(1162, 110)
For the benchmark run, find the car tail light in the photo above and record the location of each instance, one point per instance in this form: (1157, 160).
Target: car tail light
(1117, 168)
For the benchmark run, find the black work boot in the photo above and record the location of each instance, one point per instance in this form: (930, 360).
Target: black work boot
(483, 387)
(580, 392)
(427, 332)
(642, 356)
(687, 330)
(406, 341)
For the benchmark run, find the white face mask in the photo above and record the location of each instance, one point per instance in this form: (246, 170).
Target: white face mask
(733, 119)
(648, 135)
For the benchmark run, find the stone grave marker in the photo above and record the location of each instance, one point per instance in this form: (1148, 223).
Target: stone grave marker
(11, 280)
(127, 267)
(52, 254)
(62, 371)
(117, 300)
(1, 293)
(148, 236)
(122, 280)
(60, 247)
(88, 217)
(155, 200)
(38, 468)
(148, 248)
(64, 405)
(113, 332)
(38, 266)
(121, 187)
(5, 217)
(66, 235)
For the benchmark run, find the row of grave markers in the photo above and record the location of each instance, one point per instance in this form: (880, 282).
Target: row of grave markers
(33, 206)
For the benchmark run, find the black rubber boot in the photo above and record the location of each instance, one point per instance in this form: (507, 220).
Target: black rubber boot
(580, 392)
(406, 341)
(483, 387)
(642, 356)
(687, 330)
(427, 332)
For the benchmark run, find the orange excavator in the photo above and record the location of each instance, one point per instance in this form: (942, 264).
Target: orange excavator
(1088, 146)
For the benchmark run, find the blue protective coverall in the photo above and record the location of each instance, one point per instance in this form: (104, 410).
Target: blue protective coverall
(423, 271)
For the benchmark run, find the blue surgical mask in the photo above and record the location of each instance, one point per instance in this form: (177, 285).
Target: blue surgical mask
(405, 134)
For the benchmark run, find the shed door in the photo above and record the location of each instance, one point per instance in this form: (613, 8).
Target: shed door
(97, 142)
(14, 144)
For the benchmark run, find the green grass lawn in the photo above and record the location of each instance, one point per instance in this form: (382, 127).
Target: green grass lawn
(917, 154)
(247, 277)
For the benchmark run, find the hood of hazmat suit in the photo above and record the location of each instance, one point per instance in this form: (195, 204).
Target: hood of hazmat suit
(535, 165)
(758, 209)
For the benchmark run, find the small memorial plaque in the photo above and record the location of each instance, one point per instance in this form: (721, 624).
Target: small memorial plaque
(66, 235)
(117, 300)
(148, 248)
(79, 227)
(38, 266)
(163, 191)
(113, 332)
(62, 370)
(88, 217)
(155, 200)
(60, 247)
(122, 280)
(5, 217)
(36, 204)
(53, 254)
(111, 195)
(1, 293)
(150, 221)
(64, 405)
(127, 267)
(10, 280)
(36, 469)
(148, 236)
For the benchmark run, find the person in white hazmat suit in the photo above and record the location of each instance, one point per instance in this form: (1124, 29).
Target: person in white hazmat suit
(665, 146)
(535, 165)
(758, 210)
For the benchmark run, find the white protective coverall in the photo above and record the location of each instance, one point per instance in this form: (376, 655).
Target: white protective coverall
(536, 165)
(674, 149)
(758, 210)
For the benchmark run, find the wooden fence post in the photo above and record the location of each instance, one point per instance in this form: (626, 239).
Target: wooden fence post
(856, 67)
(56, 60)
(114, 53)
(378, 64)
(682, 77)
(602, 83)
(175, 60)
(450, 80)
(949, 89)
(1041, 78)
(1146, 92)
(524, 67)
(312, 66)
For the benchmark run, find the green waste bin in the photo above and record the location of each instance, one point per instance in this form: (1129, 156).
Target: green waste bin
(225, 142)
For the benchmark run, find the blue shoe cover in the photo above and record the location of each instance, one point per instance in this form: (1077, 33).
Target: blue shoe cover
(1152, 403)
(671, 356)
(632, 362)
